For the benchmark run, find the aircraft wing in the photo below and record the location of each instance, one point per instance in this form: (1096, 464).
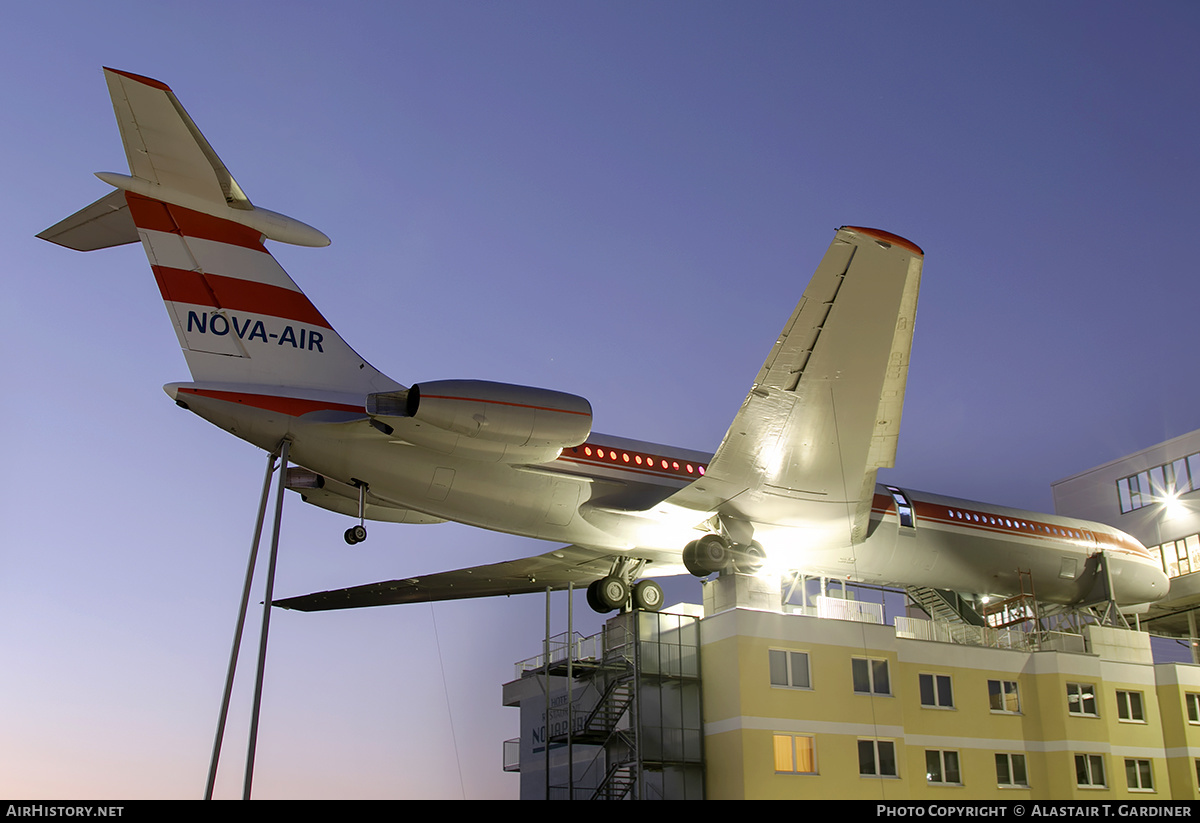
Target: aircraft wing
(555, 569)
(824, 411)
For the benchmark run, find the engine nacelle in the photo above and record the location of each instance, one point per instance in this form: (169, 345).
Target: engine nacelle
(493, 421)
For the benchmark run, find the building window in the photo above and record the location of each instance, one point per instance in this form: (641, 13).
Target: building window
(1010, 771)
(1089, 771)
(1193, 707)
(1129, 707)
(870, 676)
(1081, 700)
(789, 669)
(936, 692)
(1139, 775)
(877, 758)
(942, 768)
(795, 754)
(1003, 696)
(1161, 482)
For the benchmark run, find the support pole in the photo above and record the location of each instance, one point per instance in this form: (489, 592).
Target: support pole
(237, 634)
(546, 688)
(266, 619)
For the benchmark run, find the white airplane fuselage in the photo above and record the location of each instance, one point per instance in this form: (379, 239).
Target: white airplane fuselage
(600, 493)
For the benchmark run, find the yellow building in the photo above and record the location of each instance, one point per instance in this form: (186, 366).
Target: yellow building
(742, 700)
(802, 706)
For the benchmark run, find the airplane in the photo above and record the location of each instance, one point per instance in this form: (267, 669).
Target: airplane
(792, 485)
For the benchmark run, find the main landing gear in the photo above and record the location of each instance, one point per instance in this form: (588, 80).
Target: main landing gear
(618, 591)
(357, 534)
(716, 553)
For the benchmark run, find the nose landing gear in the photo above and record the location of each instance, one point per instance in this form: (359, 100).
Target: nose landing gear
(357, 534)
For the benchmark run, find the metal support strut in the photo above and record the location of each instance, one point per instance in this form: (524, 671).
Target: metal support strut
(282, 454)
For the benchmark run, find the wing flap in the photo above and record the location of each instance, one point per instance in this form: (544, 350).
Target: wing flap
(556, 569)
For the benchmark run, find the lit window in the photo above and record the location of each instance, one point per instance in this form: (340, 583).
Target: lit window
(789, 669)
(1003, 696)
(870, 676)
(877, 758)
(1139, 775)
(1010, 771)
(795, 754)
(942, 767)
(1081, 700)
(936, 692)
(1193, 707)
(1089, 771)
(1129, 707)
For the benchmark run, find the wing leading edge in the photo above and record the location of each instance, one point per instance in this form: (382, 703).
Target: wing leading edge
(823, 414)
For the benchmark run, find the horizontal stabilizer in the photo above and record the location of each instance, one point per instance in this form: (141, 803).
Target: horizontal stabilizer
(555, 570)
(102, 225)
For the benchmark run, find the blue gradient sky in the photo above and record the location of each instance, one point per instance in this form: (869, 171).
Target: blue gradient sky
(620, 200)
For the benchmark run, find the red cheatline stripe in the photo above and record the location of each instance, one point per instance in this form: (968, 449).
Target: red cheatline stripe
(286, 405)
(888, 237)
(154, 215)
(152, 83)
(503, 403)
(221, 292)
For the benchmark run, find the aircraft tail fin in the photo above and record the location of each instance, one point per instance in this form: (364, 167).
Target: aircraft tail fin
(238, 315)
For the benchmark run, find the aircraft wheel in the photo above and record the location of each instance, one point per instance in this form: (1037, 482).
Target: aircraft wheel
(690, 561)
(647, 596)
(360, 534)
(593, 598)
(612, 593)
(712, 553)
(350, 538)
(750, 558)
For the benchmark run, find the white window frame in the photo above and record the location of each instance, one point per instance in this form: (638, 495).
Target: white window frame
(1010, 758)
(871, 667)
(1138, 774)
(1127, 700)
(792, 739)
(876, 760)
(1092, 763)
(1078, 694)
(789, 661)
(934, 679)
(1003, 692)
(1192, 705)
(944, 758)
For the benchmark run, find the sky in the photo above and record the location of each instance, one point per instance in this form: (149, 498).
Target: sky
(619, 200)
